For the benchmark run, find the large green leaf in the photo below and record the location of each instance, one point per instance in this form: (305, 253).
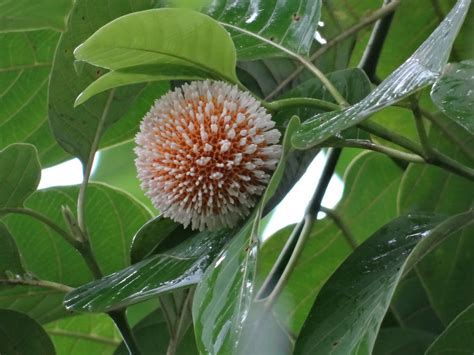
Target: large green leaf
(346, 316)
(84, 334)
(445, 272)
(420, 70)
(453, 93)
(19, 334)
(112, 219)
(25, 64)
(402, 341)
(290, 24)
(159, 44)
(371, 181)
(458, 336)
(10, 259)
(20, 172)
(20, 15)
(179, 267)
(76, 129)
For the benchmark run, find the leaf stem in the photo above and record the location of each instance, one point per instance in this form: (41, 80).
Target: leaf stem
(181, 325)
(310, 66)
(346, 232)
(420, 128)
(305, 226)
(81, 200)
(39, 283)
(376, 15)
(282, 104)
(42, 218)
(435, 158)
(121, 323)
(394, 153)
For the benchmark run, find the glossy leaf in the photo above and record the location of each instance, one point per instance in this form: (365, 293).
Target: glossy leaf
(453, 93)
(20, 172)
(224, 294)
(25, 63)
(149, 236)
(443, 272)
(10, 259)
(84, 334)
(151, 45)
(350, 307)
(290, 24)
(402, 341)
(23, 15)
(179, 267)
(76, 129)
(458, 336)
(112, 218)
(19, 334)
(371, 181)
(420, 70)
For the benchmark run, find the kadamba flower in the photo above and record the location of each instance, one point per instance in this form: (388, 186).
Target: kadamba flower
(205, 152)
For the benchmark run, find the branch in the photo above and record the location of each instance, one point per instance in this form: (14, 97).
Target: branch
(38, 283)
(367, 21)
(372, 52)
(305, 62)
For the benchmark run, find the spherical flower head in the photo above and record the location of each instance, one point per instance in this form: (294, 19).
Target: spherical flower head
(205, 153)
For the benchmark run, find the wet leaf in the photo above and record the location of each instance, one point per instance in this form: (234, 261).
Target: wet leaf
(19, 334)
(20, 172)
(457, 338)
(290, 24)
(179, 267)
(350, 307)
(444, 271)
(420, 70)
(453, 93)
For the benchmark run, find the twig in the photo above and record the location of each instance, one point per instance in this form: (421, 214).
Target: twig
(121, 323)
(376, 15)
(38, 283)
(346, 232)
(305, 62)
(301, 102)
(372, 52)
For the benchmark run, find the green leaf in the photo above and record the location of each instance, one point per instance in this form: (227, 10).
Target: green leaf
(179, 267)
(411, 307)
(420, 70)
(159, 44)
(112, 219)
(371, 181)
(25, 63)
(457, 338)
(76, 129)
(153, 337)
(23, 15)
(402, 341)
(10, 259)
(290, 24)
(19, 334)
(149, 237)
(350, 307)
(453, 93)
(224, 294)
(84, 334)
(442, 272)
(20, 173)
